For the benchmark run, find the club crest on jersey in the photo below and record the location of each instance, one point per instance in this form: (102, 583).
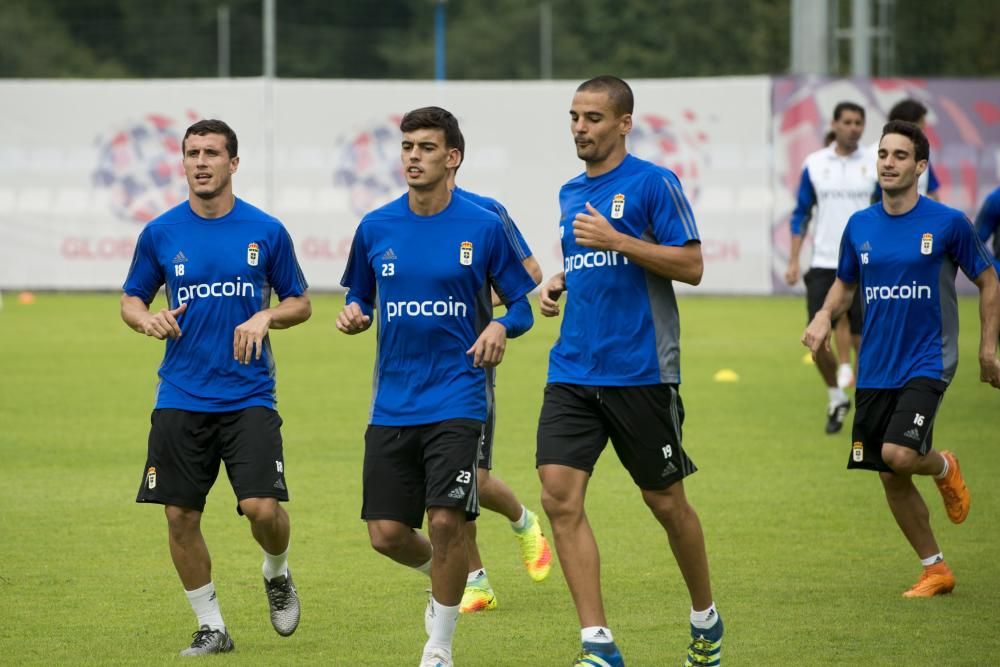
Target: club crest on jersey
(858, 452)
(926, 244)
(151, 478)
(465, 253)
(253, 254)
(618, 206)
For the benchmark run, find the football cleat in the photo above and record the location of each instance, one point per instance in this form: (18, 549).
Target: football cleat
(436, 657)
(599, 654)
(283, 600)
(936, 579)
(706, 646)
(207, 641)
(478, 596)
(535, 550)
(956, 496)
(835, 415)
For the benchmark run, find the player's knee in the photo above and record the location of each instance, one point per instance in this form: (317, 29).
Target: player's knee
(561, 506)
(260, 510)
(667, 505)
(182, 522)
(445, 523)
(900, 459)
(388, 538)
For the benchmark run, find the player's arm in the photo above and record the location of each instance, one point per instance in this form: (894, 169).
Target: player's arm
(989, 318)
(683, 263)
(161, 324)
(534, 270)
(548, 298)
(837, 302)
(248, 338)
(800, 218)
(489, 348)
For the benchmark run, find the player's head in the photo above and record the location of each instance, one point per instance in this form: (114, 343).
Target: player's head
(903, 152)
(432, 146)
(848, 125)
(210, 155)
(600, 118)
(909, 110)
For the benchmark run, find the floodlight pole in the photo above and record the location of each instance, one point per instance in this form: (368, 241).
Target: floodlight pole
(269, 111)
(545, 39)
(439, 39)
(222, 24)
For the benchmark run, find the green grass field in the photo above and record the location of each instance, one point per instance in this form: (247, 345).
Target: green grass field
(807, 563)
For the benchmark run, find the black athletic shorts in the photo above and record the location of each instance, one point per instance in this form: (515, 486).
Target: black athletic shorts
(903, 416)
(643, 423)
(818, 283)
(186, 448)
(410, 468)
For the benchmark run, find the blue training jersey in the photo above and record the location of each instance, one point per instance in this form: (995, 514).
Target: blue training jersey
(429, 279)
(905, 266)
(514, 235)
(987, 223)
(620, 326)
(224, 270)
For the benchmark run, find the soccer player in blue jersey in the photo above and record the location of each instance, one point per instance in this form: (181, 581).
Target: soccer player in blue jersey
(627, 232)
(494, 494)
(837, 180)
(902, 255)
(219, 258)
(988, 222)
(423, 267)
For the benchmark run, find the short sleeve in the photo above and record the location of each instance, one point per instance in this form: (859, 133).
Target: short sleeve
(506, 272)
(145, 275)
(513, 234)
(967, 250)
(848, 268)
(670, 215)
(358, 278)
(284, 272)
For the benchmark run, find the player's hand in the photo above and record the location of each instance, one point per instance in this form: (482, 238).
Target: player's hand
(592, 230)
(817, 333)
(989, 371)
(163, 324)
(488, 349)
(351, 320)
(792, 273)
(548, 299)
(248, 338)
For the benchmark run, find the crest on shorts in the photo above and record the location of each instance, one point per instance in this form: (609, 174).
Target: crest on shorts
(926, 244)
(253, 254)
(618, 206)
(151, 478)
(858, 452)
(465, 253)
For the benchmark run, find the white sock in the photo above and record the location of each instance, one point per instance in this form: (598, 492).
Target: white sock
(703, 620)
(931, 560)
(944, 470)
(521, 523)
(206, 606)
(445, 619)
(837, 395)
(476, 574)
(425, 568)
(275, 566)
(596, 634)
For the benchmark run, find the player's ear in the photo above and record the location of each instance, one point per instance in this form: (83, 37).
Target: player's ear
(625, 122)
(921, 167)
(234, 164)
(454, 158)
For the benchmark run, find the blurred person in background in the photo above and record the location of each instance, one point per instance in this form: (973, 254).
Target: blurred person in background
(837, 181)
(220, 258)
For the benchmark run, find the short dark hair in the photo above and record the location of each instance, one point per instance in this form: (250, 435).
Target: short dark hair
(848, 106)
(911, 111)
(214, 126)
(461, 148)
(921, 147)
(619, 92)
(434, 118)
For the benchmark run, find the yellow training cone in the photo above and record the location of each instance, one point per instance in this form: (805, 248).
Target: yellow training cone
(808, 359)
(726, 375)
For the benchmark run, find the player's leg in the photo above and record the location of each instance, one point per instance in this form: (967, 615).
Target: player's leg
(253, 452)
(571, 437)
(450, 452)
(479, 595)
(646, 431)
(182, 464)
(845, 369)
(818, 283)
